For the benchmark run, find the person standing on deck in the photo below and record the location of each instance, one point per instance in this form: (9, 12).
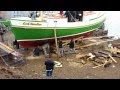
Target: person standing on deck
(80, 15)
(33, 15)
(69, 16)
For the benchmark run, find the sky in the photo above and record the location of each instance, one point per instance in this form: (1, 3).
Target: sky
(112, 23)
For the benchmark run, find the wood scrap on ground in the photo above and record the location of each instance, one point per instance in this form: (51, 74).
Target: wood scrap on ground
(101, 64)
(112, 58)
(83, 57)
(106, 62)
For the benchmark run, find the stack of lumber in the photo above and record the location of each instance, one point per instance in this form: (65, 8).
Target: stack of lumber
(9, 50)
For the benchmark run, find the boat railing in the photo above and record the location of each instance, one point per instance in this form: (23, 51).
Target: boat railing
(54, 17)
(87, 13)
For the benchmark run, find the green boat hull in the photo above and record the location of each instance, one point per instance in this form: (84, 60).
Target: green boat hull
(30, 37)
(27, 34)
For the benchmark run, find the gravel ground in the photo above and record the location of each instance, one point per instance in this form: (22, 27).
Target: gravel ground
(71, 68)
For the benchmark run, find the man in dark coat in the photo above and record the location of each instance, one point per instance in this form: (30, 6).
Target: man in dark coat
(33, 15)
(49, 66)
(60, 48)
(1, 32)
(16, 43)
(80, 15)
(67, 14)
(72, 46)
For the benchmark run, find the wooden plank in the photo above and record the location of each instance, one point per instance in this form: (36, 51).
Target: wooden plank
(97, 66)
(112, 58)
(113, 50)
(9, 50)
(116, 56)
(109, 61)
(102, 52)
(97, 43)
(6, 48)
(4, 61)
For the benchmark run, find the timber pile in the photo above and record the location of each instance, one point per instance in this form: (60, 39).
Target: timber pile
(102, 58)
(100, 32)
(87, 42)
(116, 55)
(83, 58)
(6, 48)
(10, 60)
(9, 50)
(115, 52)
(94, 41)
(105, 60)
(110, 55)
(106, 37)
(10, 72)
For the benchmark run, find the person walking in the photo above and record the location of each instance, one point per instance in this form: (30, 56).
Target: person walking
(49, 63)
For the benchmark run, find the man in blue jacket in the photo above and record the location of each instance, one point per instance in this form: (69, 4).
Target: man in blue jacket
(49, 66)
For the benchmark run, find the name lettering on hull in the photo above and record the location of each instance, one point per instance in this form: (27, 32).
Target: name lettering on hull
(31, 23)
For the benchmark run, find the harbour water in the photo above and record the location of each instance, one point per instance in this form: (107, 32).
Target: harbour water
(112, 23)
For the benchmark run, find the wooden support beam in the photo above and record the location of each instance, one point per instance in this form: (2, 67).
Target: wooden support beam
(56, 40)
